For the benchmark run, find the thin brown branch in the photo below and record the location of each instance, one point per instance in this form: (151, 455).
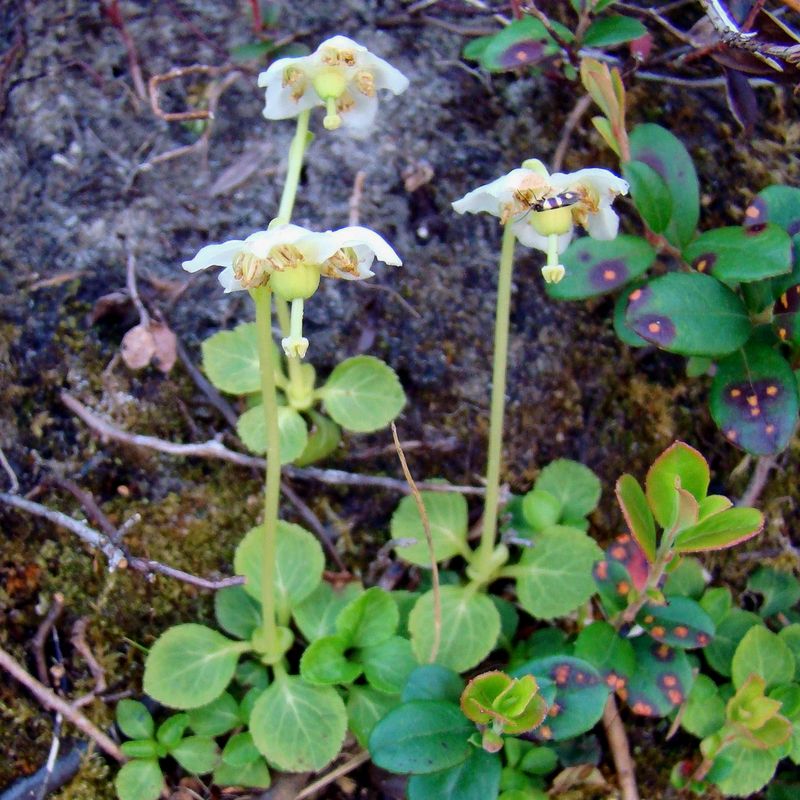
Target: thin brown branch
(313, 522)
(39, 640)
(9, 470)
(51, 700)
(354, 204)
(620, 750)
(133, 291)
(758, 481)
(88, 503)
(80, 644)
(205, 386)
(355, 762)
(117, 558)
(155, 82)
(114, 14)
(426, 526)
(214, 449)
(570, 123)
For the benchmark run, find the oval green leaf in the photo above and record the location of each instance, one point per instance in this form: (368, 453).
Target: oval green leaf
(477, 778)
(140, 779)
(662, 681)
(190, 665)
(218, 717)
(722, 530)
(639, 518)
(134, 719)
(237, 612)
(762, 652)
(298, 727)
(196, 754)
(292, 430)
(650, 194)
(323, 439)
(554, 576)
(691, 314)
(469, 631)
(741, 255)
(574, 484)
(369, 619)
(363, 394)
(315, 616)
(662, 152)
(679, 465)
(730, 631)
(299, 562)
(613, 29)
(681, 623)
(447, 515)
(365, 708)
(420, 737)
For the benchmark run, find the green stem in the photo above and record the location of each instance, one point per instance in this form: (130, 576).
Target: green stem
(489, 531)
(296, 151)
(272, 485)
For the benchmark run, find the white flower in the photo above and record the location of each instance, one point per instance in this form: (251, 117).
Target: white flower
(542, 209)
(528, 198)
(341, 75)
(290, 260)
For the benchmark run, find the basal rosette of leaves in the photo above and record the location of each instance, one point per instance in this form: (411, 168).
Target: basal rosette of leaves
(362, 394)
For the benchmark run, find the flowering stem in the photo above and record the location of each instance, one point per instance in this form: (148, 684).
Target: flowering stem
(272, 485)
(296, 151)
(489, 531)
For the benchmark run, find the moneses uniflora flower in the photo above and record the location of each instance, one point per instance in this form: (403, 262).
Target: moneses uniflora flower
(290, 260)
(341, 75)
(543, 209)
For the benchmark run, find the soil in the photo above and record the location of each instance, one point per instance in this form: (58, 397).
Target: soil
(76, 201)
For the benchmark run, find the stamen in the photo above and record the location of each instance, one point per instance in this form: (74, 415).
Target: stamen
(365, 83)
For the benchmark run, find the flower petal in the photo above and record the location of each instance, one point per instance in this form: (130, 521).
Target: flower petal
(526, 234)
(386, 76)
(360, 238)
(491, 197)
(359, 119)
(604, 224)
(280, 103)
(229, 283)
(214, 255)
(604, 182)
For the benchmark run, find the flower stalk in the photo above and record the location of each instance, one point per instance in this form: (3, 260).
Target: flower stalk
(497, 409)
(272, 485)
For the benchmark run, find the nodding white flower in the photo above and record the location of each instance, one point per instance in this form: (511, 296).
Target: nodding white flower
(341, 75)
(290, 260)
(543, 209)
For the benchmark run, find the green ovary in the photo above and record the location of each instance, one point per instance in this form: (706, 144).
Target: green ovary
(554, 221)
(295, 283)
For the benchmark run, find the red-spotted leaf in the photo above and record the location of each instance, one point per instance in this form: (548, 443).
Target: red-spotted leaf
(786, 315)
(614, 585)
(650, 194)
(754, 399)
(632, 501)
(625, 333)
(595, 267)
(721, 530)
(662, 681)
(681, 462)
(574, 691)
(627, 552)
(681, 623)
(736, 254)
(689, 313)
(622, 572)
(662, 152)
(608, 652)
(778, 204)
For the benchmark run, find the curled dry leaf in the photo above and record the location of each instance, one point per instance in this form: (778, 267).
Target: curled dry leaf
(151, 342)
